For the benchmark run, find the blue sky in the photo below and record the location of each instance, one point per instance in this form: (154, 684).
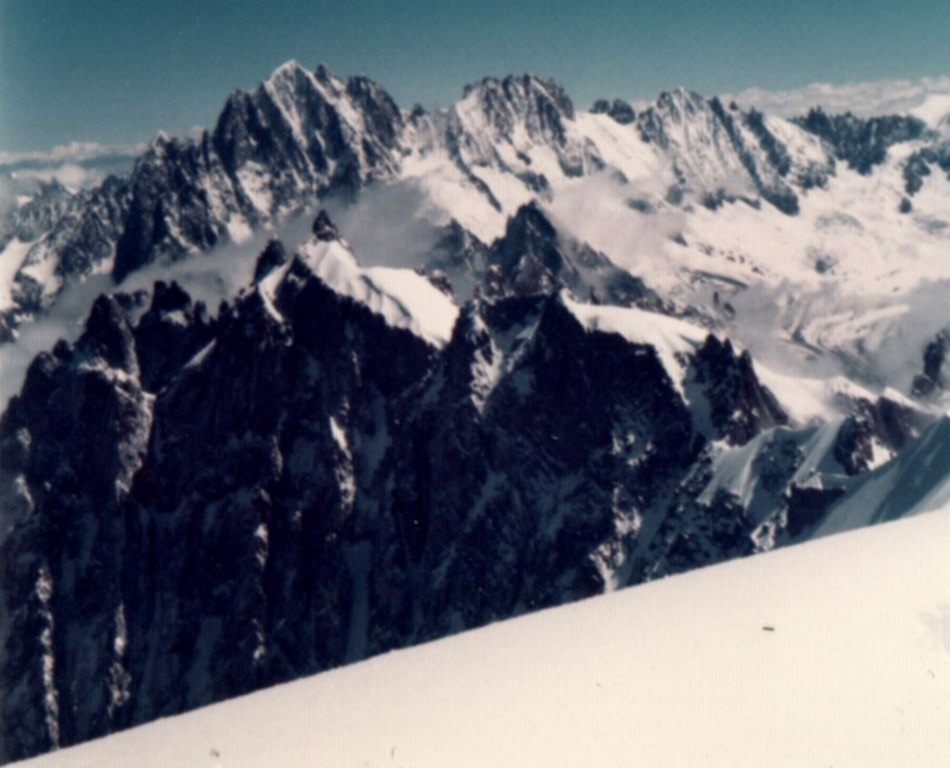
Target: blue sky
(115, 72)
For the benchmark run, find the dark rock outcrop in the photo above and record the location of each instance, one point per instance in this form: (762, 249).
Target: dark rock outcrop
(199, 507)
(70, 446)
(931, 380)
(169, 334)
(533, 258)
(737, 406)
(272, 257)
(861, 142)
(619, 110)
(918, 166)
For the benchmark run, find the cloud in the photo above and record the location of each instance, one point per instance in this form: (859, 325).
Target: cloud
(389, 226)
(8, 194)
(922, 97)
(79, 165)
(76, 152)
(71, 175)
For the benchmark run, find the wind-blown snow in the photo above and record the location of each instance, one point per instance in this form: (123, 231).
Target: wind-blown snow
(835, 653)
(807, 400)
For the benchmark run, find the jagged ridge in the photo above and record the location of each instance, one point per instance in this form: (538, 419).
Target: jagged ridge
(201, 506)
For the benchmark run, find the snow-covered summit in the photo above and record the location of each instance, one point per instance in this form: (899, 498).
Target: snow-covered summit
(518, 109)
(402, 297)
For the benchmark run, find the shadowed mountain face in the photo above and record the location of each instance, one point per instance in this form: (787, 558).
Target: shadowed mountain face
(197, 506)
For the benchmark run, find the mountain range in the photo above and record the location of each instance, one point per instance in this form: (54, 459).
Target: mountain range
(338, 378)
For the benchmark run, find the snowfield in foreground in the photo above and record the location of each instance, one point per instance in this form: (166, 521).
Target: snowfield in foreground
(832, 653)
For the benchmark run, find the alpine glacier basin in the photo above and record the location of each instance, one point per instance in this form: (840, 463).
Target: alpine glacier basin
(835, 652)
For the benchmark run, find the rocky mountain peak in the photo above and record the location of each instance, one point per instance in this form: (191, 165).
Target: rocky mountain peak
(739, 406)
(675, 117)
(679, 104)
(541, 106)
(534, 258)
(307, 480)
(381, 114)
(168, 297)
(621, 111)
(272, 257)
(528, 259)
(289, 71)
(528, 230)
(324, 229)
(861, 142)
(169, 334)
(518, 89)
(38, 215)
(107, 336)
(324, 75)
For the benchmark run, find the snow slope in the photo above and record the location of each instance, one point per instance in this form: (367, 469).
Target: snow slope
(835, 653)
(401, 297)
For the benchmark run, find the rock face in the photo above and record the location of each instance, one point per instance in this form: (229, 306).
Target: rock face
(201, 506)
(67, 235)
(739, 407)
(298, 136)
(532, 258)
(70, 446)
(549, 433)
(620, 110)
(862, 142)
(169, 334)
(931, 381)
(920, 163)
(273, 257)
(39, 214)
(722, 153)
(498, 121)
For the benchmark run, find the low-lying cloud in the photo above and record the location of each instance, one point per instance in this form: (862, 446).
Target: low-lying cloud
(79, 165)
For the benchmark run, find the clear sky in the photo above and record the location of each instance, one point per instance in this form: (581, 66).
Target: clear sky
(115, 71)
